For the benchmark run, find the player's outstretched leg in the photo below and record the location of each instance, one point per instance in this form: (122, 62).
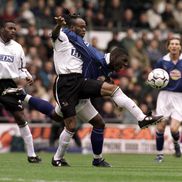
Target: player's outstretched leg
(123, 100)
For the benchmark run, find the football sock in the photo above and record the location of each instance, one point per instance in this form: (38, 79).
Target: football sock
(175, 136)
(27, 98)
(124, 101)
(159, 141)
(64, 140)
(97, 138)
(40, 105)
(27, 137)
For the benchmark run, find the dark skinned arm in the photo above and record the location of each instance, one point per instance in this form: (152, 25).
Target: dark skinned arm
(60, 23)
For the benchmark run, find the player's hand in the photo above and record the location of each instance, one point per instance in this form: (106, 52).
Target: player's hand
(29, 80)
(60, 20)
(109, 80)
(101, 78)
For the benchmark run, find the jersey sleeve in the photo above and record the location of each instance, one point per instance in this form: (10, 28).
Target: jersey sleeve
(61, 41)
(62, 36)
(22, 59)
(23, 72)
(85, 49)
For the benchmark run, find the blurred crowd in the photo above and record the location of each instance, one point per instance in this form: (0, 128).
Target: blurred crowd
(99, 14)
(147, 25)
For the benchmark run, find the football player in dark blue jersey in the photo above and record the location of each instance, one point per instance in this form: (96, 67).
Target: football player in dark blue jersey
(170, 98)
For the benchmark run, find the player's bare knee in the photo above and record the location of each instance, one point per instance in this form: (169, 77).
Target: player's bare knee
(56, 117)
(108, 89)
(97, 122)
(70, 123)
(174, 129)
(19, 117)
(160, 128)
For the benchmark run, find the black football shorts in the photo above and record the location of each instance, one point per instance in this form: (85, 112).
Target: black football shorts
(10, 102)
(69, 88)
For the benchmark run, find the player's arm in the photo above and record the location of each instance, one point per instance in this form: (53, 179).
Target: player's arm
(86, 50)
(118, 57)
(60, 23)
(24, 76)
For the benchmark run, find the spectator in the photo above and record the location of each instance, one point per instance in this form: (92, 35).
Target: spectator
(26, 15)
(128, 41)
(153, 52)
(178, 13)
(114, 42)
(128, 20)
(168, 16)
(143, 21)
(108, 110)
(139, 53)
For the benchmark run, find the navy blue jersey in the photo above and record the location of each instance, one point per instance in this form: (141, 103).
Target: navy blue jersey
(94, 63)
(174, 71)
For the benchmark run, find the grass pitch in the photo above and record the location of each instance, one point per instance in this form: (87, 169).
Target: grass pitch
(126, 168)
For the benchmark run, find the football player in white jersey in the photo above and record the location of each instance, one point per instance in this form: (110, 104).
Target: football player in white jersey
(170, 98)
(71, 86)
(12, 66)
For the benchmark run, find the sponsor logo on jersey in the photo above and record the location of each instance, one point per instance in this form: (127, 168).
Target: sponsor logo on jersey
(6, 58)
(87, 44)
(175, 74)
(75, 53)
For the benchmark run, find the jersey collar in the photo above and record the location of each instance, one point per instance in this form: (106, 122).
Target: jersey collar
(167, 57)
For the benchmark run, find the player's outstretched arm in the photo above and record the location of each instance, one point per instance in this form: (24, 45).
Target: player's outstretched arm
(60, 23)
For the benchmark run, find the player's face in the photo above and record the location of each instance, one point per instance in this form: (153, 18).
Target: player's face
(174, 46)
(79, 27)
(118, 63)
(9, 31)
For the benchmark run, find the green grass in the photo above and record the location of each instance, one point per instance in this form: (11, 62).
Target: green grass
(126, 168)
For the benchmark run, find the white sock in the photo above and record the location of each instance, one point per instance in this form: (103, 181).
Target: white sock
(64, 140)
(160, 152)
(28, 140)
(97, 156)
(124, 101)
(27, 98)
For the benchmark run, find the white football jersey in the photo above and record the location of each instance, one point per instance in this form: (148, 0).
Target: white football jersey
(12, 60)
(66, 58)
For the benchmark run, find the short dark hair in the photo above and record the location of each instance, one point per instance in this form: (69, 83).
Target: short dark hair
(118, 57)
(4, 22)
(120, 52)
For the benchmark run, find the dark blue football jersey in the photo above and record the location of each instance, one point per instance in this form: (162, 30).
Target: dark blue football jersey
(174, 71)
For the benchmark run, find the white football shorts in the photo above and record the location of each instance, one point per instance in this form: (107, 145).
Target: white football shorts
(169, 104)
(85, 111)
